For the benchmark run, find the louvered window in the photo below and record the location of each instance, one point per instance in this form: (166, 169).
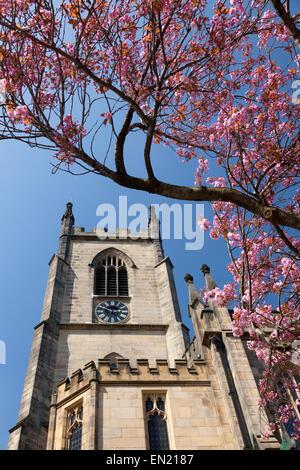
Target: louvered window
(111, 281)
(100, 280)
(122, 281)
(111, 277)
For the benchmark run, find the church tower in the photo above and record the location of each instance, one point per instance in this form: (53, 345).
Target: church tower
(112, 366)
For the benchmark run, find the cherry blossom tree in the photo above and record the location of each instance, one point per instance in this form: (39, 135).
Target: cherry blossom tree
(214, 85)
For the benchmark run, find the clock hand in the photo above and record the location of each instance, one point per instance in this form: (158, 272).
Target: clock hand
(107, 309)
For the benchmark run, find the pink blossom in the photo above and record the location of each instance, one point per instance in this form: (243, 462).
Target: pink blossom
(204, 223)
(19, 114)
(3, 83)
(108, 116)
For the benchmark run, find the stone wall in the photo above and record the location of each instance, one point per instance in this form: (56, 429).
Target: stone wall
(114, 411)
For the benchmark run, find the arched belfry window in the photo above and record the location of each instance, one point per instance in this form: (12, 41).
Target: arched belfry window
(156, 418)
(111, 276)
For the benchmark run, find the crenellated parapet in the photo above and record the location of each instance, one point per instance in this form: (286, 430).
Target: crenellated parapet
(125, 373)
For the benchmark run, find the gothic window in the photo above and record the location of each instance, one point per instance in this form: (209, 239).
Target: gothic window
(111, 277)
(156, 418)
(74, 433)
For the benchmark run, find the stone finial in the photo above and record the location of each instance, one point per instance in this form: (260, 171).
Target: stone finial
(153, 223)
(188, 278)
(67, 222)
(205, 269)
(193, 294)
(68, 213)
(154, 234)
(210, 283)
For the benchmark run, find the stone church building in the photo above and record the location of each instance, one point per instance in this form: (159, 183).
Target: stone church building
(112, 366)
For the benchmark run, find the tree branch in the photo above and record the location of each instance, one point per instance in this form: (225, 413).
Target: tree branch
(287, 20)
(119, 148)
(186, 193)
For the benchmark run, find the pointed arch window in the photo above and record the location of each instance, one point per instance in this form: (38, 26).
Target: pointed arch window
(111, 277)
(74, 434)
(156, 419)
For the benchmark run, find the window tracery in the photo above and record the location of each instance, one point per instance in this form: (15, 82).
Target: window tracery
(74, 433)
(156, 418)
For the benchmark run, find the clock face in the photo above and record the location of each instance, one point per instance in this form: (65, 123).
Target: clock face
(112, 311)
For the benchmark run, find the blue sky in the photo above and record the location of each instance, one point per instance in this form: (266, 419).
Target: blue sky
(32, 203)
